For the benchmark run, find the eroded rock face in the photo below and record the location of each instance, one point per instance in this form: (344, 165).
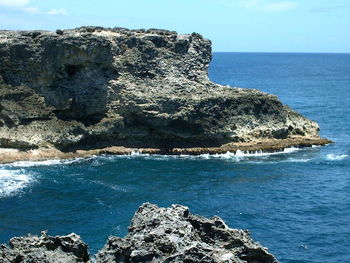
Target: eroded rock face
(44, 248)
(94, 87)
(175, 235)
(155, 235)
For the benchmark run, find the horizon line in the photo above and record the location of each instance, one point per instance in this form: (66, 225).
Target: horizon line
(285, 52)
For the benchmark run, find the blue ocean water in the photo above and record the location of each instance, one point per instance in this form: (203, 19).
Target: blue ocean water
(297, 202)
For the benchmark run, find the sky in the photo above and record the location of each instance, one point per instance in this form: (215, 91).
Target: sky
(232, 25)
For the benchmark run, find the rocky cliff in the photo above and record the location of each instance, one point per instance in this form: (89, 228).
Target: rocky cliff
(93, 87)
(156, 235)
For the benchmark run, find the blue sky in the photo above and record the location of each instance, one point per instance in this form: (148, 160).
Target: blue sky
(232, 25)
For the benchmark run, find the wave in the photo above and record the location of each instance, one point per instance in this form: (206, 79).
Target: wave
(238, 156)
(261, 153)
(25, 164)
(110, 186)
(242, 154)
(336, 157)
(139, 153)
(12, 182)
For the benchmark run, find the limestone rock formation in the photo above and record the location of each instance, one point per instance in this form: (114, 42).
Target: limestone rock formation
(175, 235)
(156, 235)
(44, 248)
(93, 87)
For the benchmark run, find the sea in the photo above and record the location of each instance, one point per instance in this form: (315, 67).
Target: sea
(295, 202)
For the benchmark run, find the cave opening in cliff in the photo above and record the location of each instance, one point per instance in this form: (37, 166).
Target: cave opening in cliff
(72, 70)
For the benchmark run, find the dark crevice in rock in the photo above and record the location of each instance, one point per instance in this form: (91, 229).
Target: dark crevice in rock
(6, 120)
(17, 144)
(66, 115)
(30, 120)
(165, 144)
(71, 70)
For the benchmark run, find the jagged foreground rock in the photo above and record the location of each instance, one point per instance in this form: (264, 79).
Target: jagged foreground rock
(175, 235)
(45, 249)
(155, 235)
(91, 87)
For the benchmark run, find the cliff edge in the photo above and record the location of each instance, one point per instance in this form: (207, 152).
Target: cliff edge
(92, 88)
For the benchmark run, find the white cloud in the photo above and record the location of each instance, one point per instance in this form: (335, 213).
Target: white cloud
(32, 10)
(19, 5)
(14, 3)
(281, 6)
(268, 6)
(23, 5)
(60, 11)
(251, 3)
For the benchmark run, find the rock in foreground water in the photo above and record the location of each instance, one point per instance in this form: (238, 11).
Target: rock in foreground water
(175, 235)
(155, 235)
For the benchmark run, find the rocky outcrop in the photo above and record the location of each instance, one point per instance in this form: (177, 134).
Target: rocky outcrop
(93, 87)
(155, 235)
(44, 248)
(175, 235)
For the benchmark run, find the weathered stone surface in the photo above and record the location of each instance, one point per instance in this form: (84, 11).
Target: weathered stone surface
(93, 87)
(175, 235)
(155, 235)
(45, 249)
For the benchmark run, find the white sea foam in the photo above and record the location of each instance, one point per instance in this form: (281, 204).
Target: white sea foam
(113, 187)
(228, 155)
(12, 182)
(239, 155)
(242, 154)
(336, 157)
(138, 153)
(296, 160)
(43, 163)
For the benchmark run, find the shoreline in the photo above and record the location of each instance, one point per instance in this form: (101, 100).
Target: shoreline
(268, 146)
